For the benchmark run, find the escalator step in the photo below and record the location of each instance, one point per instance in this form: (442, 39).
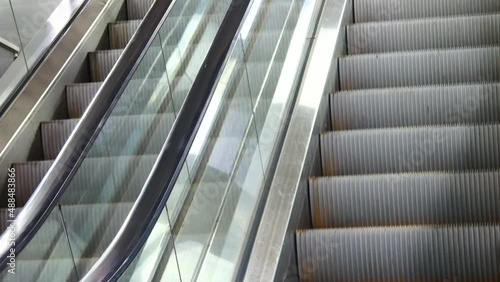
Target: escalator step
(436, 33)
(54, 136)
(120, 33)
(120, 136)
(417, 106)
(101, 63)
(136, 99)
(453, 148)
(29, 175)
(383, 10)
(418, 68)
(79, 96)
(420, 253)
(405, 199)
(137, 9)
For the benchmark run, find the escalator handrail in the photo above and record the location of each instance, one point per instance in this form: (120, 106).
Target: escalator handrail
(159, 185)
(55, 182)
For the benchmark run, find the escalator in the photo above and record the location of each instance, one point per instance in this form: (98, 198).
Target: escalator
(132, 202)
(409, 189)
(110, 179)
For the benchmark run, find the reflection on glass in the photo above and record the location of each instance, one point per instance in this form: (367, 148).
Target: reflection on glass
(226, 161)
(48, 257)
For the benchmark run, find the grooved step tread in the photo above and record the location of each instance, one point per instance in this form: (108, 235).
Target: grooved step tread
(438, 33)
(416, 106)
(419, 253)
(420, 68)
(405, 199)
(410, 149)
(384, 10)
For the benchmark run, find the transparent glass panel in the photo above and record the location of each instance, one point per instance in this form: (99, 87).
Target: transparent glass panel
(147, 264)
(199, 20)
(48, 257)
(232, 151)
(111, 177)
(105, 187)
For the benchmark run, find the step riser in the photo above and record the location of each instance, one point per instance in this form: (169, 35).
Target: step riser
(383, 10)
(410, 150)
(423, 34)
(389, 200)
(399, 254)
(468, 104)
(137, 9)
(101, 64)
(121, 33)
(420, 68)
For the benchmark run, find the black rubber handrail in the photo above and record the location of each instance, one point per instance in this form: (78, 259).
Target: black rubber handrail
(157, 189)
(55, 182)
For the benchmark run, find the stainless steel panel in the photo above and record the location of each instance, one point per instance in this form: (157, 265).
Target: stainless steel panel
(273, 250)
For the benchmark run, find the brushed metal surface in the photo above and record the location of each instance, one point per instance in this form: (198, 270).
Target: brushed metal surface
(273, 250)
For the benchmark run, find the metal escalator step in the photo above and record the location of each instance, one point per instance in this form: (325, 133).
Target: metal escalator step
(120, 33)
(29, 175)
(453, 148)
(91, 228)
(418, 68)
(405, 199)
(54, 136)
(79, 96)
(137, 9)
(109, 180)
(436, 33)
(121, 135)
(420, 253)
(383, 10)
(101, 63)
(137, 98)
(416, 106)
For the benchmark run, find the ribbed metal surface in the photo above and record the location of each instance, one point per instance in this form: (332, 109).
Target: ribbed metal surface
(79, 96)
(423, 34)
(383, 10)
(137, 9)
(101, 63)
(421, 253)
(28, 176)
(405, 199)
(54, 136)
(120, 33)
(412, 170)
(432, 105)
(410, 149)
(420, 68)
